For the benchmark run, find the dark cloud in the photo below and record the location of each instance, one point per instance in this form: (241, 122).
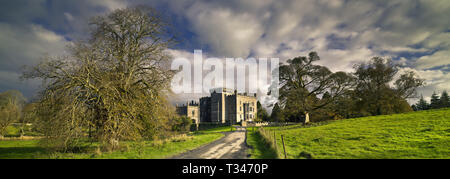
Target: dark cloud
(31, 29)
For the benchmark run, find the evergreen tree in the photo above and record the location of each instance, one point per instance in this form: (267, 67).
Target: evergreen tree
(276, 115)
(414, 107)
(422, 104)
(444, 102)
(262, 113)
(434, 102)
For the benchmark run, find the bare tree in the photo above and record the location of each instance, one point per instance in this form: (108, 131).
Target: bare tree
(9, 113)
(11, 103)
(114, 85)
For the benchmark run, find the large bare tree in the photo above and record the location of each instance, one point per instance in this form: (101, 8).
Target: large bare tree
(112, 86)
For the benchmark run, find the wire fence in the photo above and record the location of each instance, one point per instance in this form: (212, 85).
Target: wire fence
(270, 138)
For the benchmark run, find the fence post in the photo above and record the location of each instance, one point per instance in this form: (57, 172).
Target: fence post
(275, 140)
(284, 148)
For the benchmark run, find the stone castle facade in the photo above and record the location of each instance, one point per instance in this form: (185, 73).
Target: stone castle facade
(190, 110)
(224, 106)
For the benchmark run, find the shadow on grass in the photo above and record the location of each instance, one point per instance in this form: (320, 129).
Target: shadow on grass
(259, 148)
(21, 152)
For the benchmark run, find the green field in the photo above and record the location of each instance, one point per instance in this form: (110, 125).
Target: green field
(424, 134)
(217, 129)
(25, 149)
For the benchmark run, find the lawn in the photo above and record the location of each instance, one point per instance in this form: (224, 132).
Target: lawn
(22, 149)
(217, 129)
(423, 134)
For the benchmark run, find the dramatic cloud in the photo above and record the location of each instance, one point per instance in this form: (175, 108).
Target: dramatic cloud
(414, 33)
(24, 46)
(31, 29)
(439, 58)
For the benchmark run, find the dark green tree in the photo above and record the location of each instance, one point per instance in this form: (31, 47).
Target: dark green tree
(435, 101)
(345, 106)
(414, 107)
(262, 113)
(277, 115)
(302, 82)
(182, 124)
(445, 100)
(422, 104)
(374, 94)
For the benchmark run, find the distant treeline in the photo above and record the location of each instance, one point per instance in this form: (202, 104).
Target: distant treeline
(436, 102)
(13, 108)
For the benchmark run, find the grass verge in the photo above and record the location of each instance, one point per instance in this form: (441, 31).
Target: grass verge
(259, 147)
(26, 149)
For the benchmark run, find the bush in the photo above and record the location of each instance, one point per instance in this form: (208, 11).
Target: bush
(182, 124)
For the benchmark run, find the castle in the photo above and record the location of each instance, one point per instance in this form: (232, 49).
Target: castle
(224, 106)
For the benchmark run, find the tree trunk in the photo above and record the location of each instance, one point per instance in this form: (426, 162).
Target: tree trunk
(113, 144)
(22, 131)
(306, 118)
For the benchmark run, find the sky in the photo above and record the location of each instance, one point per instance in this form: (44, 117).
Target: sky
(414, 33)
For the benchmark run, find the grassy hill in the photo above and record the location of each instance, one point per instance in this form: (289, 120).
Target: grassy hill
(423, 134)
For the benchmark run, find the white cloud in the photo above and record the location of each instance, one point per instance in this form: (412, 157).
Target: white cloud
(436, 59)
(438, 40)
(109, 4)
(228, 34)
(46, 35)
(251, 79)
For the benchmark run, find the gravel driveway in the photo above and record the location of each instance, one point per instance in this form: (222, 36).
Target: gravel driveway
(232, 146)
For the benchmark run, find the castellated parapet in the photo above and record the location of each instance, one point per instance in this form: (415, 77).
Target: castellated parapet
(227, 106)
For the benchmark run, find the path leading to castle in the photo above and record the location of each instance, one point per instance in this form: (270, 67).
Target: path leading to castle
(232, 146)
